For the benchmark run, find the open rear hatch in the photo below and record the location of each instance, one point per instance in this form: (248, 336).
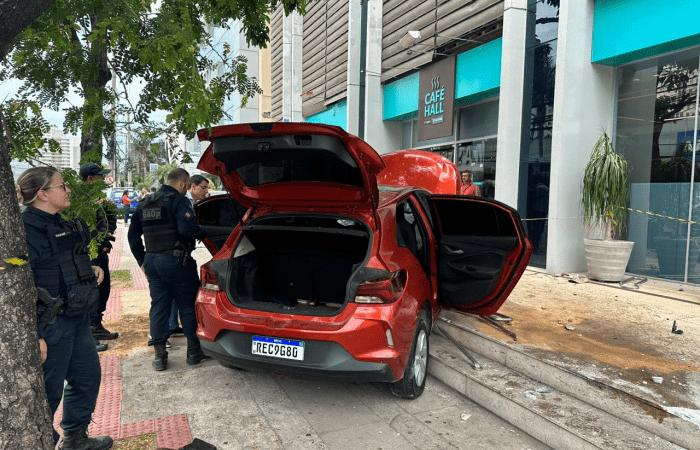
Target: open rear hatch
(292, 164)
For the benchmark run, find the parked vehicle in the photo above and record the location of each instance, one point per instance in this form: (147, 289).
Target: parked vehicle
(115, 194)
(328, 274)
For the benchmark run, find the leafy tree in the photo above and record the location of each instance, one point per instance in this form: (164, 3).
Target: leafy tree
(79, 44)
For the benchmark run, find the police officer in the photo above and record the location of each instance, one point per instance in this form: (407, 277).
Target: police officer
(68, 289)
(167, 223)
(106, 222)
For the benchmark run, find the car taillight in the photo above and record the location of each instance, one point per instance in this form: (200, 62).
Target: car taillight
(384, 289)
(209, 279)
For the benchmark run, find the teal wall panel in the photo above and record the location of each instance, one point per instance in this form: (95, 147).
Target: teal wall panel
(478, 71)
(477, 76)
(628, 30)
(401, 98)
(336, 114)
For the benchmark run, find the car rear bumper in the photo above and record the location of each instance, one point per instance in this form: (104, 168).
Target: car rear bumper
(322, 360)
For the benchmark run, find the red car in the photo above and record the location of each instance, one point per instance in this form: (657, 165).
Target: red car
(318, 271)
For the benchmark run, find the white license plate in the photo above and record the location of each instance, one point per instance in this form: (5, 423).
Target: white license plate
(278, 348)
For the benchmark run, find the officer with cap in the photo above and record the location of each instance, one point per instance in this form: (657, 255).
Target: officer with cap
(106, 222)
(166, 221)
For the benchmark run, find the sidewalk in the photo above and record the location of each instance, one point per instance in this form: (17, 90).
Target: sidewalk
(617, 335)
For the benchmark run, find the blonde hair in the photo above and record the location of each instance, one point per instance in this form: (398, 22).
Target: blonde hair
(32, 181)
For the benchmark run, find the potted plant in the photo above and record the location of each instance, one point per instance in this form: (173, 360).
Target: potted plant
(605, 193)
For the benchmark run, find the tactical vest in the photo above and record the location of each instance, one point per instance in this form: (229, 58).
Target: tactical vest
(72, 278)
(160, 225)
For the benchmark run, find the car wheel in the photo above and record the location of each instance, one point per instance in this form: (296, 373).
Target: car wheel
(416, 372)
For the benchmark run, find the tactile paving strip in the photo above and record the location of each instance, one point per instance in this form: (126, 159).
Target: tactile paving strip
(114, 305)
(139, 278)
(115, 255)
(173, 431)
(130, 430)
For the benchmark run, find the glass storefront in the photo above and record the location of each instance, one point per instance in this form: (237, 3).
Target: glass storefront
(657, 119)
(474, 147)
(536, 150)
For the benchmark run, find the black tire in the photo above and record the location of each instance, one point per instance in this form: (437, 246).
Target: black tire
(413, 382)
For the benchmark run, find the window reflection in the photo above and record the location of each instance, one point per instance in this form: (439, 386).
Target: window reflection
(655, 131)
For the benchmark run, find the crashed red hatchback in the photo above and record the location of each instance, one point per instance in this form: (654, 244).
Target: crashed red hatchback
(319, 271)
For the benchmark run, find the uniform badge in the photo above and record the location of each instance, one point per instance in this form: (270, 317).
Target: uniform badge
(188, 214)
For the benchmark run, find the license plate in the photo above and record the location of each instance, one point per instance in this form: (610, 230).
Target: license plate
(278, 348)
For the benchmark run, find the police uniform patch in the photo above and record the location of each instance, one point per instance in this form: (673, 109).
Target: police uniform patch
(188, 214)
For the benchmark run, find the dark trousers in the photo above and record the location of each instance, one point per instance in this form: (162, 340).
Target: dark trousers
(71, 357)
(127, 210)
(102, 260)
(169, 281)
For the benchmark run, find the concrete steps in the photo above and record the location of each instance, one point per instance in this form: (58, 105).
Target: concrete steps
(557, 406)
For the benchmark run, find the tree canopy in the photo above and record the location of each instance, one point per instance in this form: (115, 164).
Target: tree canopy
(77, 46)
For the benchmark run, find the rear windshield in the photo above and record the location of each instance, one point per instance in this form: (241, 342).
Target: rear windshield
(288, 158)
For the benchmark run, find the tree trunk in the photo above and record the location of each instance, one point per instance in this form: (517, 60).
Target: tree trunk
(91, 138)
(25, 418)
(16, 16)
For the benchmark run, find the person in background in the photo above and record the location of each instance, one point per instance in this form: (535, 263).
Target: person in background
(199, 188)
(468, 186)
(67, 284)
(144, 193)
(166, 222)
(127, 205)
(106, 222)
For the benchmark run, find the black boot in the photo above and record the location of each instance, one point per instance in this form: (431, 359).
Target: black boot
(99, 346)
(100, 332)
(79, 440)
(195, 355)
(161, 361)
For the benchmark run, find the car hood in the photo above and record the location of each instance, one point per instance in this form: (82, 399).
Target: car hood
(292, 164)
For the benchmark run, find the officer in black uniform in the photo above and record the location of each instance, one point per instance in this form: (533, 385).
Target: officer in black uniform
(67, 284)
(106, 222)
(167, 223)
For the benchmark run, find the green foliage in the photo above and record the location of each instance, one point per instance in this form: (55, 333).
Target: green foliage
(75, 45)
(85, 202)
(160, 174)
(606, 187)
(24, 128)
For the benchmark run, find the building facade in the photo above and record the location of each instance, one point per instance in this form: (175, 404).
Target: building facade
(68, 157)
(517, 92)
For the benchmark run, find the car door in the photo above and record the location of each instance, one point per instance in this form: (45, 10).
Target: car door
(220, 215)
(482, 252)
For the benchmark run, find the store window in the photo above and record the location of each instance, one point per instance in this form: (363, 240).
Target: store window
(473, 150)
(538, 101)
(657, 113)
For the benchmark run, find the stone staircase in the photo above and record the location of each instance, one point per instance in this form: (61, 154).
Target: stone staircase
(562, 408)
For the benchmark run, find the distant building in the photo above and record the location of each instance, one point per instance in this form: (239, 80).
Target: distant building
(69, 156)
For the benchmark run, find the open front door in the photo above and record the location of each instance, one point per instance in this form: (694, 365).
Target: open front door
(219, 215)
(483, 251)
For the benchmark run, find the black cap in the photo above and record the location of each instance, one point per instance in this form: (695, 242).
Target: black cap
(91, 168)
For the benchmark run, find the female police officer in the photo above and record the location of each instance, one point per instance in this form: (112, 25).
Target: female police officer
(68, 293)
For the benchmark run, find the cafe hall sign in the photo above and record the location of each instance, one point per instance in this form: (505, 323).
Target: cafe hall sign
(437, 100)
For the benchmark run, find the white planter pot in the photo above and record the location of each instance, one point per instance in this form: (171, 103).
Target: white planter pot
(607, 260)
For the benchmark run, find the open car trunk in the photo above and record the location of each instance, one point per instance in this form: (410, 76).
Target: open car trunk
(299, 265)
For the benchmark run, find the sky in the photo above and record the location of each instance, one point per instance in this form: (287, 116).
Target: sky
(9, 88)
